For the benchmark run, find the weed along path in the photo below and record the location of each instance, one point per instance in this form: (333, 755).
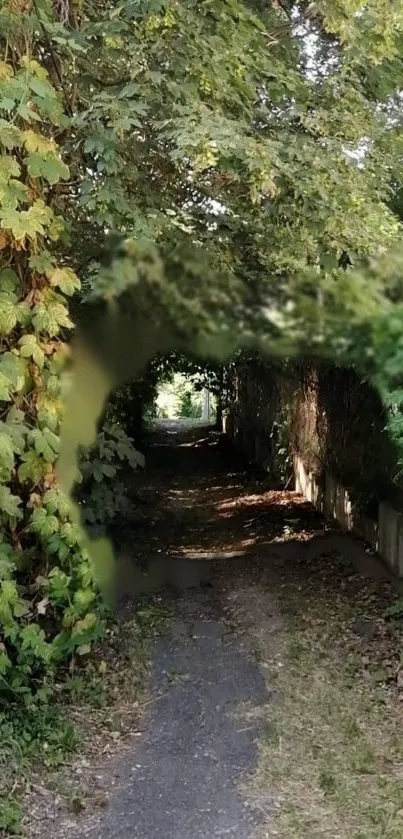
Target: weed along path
(272, 702)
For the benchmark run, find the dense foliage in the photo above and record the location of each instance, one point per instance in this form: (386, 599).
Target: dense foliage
(102, 492)
(219, 165)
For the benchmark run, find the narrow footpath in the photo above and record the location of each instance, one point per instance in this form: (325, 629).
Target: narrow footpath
(273, 703)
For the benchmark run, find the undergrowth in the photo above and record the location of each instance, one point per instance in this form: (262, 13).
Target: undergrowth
(95, 702)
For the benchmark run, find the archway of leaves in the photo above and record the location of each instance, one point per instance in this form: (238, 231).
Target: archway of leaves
(210, 171)
(123, 428)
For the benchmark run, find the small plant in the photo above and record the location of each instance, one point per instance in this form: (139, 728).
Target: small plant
(102, 493)
(363, 759)
(395, 609)
(175, 677)
(189, 406)
(271, 733)
(10, 816)
(327, 782)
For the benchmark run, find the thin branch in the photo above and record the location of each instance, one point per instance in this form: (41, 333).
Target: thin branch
(54, 62)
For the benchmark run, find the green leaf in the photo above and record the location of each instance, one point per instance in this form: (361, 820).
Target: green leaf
(21, 608)
(6, 454)
(23, 313)
(10, 135)
(7, 561)
(8, 280)
(85, 626)
(36, 142)
(9, 168)
(42, 88)
(5, 388)
(27, 113)
(15, 427)
(42, 523)
(71, 533)
(49, 167)
(33, 467)
(63, 552)
(8, 316)
(59, 584)
(33, 638)
(108, 470)
(51, 317)
(42, 262)
(6, 104)
(29, 348)
(15, 370)
(8, 597)
(56, 502)
(83, 599)
(46, 443)
(9, 503)
(5, 663)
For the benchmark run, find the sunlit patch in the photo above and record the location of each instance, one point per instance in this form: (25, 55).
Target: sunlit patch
(270, 498)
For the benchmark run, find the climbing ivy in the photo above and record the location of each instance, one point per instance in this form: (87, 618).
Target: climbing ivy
(48, 596)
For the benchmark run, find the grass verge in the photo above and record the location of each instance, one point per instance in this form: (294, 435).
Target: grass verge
(333, 751)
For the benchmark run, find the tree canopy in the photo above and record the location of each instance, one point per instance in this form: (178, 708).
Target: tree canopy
(228, 167)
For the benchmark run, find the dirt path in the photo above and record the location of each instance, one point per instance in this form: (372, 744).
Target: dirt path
(268, 713)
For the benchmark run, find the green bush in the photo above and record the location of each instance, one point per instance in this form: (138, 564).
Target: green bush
(189, 406)
(102, 493)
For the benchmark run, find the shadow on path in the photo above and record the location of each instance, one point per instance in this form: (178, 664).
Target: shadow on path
(217, 544)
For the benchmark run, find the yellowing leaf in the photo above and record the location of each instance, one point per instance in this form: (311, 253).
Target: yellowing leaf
(49, 410)
(89, 622)
(36, 142)
(65, 279)
(56, 228)
(34, 67)
(27, 223)
(6, 71)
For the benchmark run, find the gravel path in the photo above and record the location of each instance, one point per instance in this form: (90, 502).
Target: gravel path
(186, 773)
(181, 779)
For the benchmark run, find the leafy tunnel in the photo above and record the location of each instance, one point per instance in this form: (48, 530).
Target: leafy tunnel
(202, 193)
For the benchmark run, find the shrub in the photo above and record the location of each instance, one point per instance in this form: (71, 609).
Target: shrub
(102, 493)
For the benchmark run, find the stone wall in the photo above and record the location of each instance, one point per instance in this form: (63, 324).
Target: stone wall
(384, 534)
